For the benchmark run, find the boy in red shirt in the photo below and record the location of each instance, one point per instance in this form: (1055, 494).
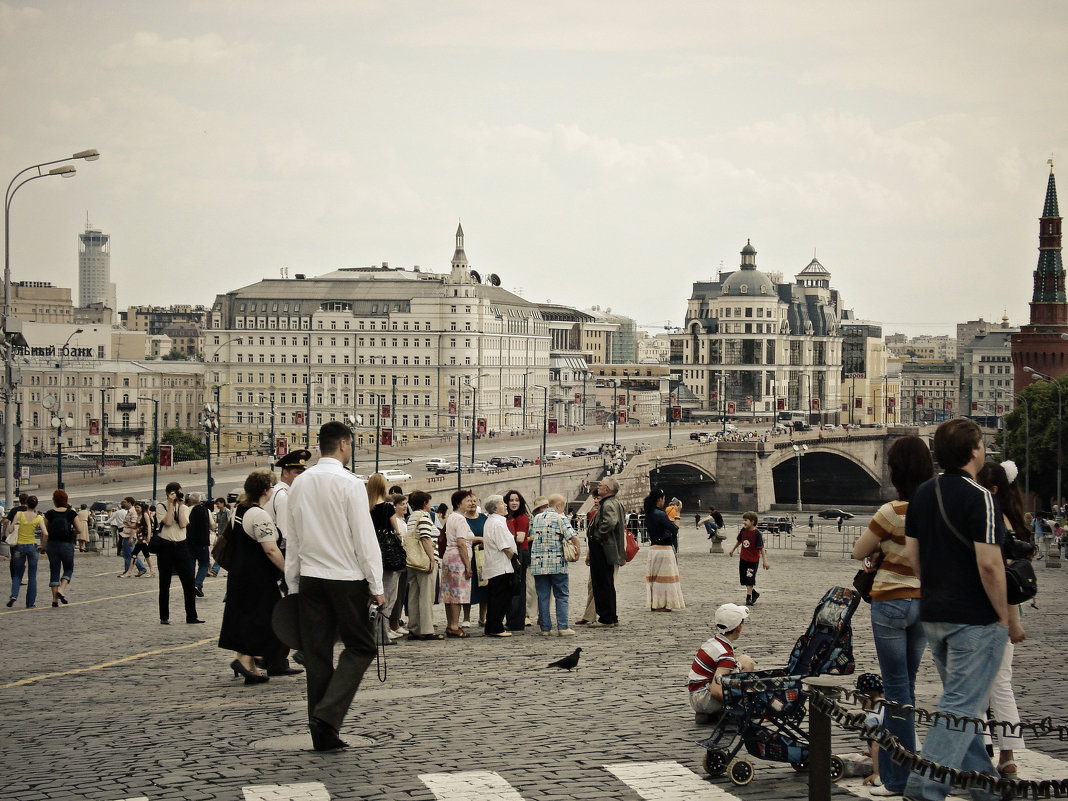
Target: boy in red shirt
(714, 659)
(752, 554)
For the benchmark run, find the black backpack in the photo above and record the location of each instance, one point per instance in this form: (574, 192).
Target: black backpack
(60, 528)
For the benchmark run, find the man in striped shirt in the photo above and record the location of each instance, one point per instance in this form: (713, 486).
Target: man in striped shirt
(715, 658)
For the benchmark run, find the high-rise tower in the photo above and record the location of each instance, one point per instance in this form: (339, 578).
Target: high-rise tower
(94, 269)
(1039, 344)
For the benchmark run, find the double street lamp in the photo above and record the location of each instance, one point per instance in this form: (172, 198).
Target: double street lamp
(12, 329)
(59, 422)
(211, 426)
(155, 442)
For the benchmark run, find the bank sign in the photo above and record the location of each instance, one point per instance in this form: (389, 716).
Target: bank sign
(67, 352)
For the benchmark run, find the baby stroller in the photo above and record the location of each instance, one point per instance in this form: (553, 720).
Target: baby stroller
(764, 710)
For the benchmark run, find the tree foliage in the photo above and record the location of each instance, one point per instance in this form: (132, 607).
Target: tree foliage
(1033, 426)
(187, 447)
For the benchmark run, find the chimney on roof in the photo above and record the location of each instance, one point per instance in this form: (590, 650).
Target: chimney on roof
(299, 276)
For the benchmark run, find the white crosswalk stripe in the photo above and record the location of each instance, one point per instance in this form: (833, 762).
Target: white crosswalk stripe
(471, 785)
(306, 791)
(667, 781)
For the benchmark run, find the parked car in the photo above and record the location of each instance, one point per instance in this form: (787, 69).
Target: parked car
(435, 462)
(834, 514)
(519, 461)
(730, 428)
(776, 524)
(553, 456)
(581, 451)
(501, 461)
(698, 434)
(395, 475)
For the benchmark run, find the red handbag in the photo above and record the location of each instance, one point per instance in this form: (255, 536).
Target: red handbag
(632, 546)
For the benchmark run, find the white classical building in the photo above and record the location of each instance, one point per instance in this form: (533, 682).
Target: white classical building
(753, 344)
(411, 352)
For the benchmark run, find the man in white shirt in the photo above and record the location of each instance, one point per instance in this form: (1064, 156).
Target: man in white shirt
(333, 561)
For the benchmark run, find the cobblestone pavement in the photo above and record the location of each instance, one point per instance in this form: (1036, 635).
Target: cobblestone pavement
(98, 701)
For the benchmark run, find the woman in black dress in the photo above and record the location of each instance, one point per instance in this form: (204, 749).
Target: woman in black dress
(256, 565)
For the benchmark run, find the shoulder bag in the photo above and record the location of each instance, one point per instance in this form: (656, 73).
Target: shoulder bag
(222, 550)
(393, 555)
(415, 554)
(632, 545)
(864, 580)
(1021, 584)
(571, 550)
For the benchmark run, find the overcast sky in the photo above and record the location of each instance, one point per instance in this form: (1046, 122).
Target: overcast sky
(603, 153)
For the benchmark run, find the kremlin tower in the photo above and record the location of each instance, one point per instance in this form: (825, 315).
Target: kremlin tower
(1039, 344)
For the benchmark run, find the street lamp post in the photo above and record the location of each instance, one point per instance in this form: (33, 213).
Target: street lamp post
(12, 329)
(155, 442)
(1027, 446)
(211, 426)
(799, 451)
(1037, 376)
(58, 420)
(378, 427)
(352, 421)
(670, 411)
(544, 432)
(615, 410)
(100, 423)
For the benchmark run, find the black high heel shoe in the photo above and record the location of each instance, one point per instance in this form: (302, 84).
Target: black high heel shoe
(250, 677)
(63, 598)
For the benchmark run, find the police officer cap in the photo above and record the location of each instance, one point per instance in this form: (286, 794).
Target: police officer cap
(295, 460)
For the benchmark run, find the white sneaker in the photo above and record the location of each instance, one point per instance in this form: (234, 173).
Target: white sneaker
(393, 635)
(882, 790)
(401, 630)
(544, 633)
(466, 624)
(566, 632)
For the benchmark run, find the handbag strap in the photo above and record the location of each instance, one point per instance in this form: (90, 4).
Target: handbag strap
(945, 517)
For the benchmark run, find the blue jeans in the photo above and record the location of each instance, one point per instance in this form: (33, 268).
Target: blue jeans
(556, 583)
(967, 658)
(201, 555)
(20, 556)
(60, 561)
(899, 643)
(127, 556)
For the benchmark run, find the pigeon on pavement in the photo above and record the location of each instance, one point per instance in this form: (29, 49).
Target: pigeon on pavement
(568, 662)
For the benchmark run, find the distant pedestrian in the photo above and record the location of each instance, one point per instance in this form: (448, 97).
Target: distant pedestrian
(83, 529)
(549, 530)
(63, 527)
(173, 554)
(129, 517)
(840, 519)
(198, 540)
(607, 551)
(663, 590)
(26, 550)
(750, 557)
(811, 521)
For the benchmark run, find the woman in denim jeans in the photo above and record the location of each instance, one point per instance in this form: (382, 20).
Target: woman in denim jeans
(59, 544)
(24, 552)
(895, 600)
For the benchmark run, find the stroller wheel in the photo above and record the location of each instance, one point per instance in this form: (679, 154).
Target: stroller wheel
(800, 767)
(740, 772)
(716, 761)
(837, 767)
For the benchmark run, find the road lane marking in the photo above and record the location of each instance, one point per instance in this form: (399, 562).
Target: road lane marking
(112, 663)
(307, 791)
(667, 781)
(470, 785)
(79, 603)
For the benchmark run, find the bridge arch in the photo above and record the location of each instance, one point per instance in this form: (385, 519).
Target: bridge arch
(828, 477)
(689, 481)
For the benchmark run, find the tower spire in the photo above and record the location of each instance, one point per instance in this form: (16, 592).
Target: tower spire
(459, 257)
(1048, 300)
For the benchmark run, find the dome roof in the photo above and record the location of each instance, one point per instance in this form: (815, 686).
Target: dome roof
(748, 250)
(748, 281)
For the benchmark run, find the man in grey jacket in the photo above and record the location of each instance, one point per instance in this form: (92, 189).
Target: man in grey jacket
(607, 550)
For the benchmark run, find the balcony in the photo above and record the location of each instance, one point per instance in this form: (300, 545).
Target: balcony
(126, 406)
(126, 433)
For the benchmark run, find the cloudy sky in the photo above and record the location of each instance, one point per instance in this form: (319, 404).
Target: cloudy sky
(605, 152)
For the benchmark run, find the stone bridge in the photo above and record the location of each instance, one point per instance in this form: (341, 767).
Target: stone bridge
(838, 468)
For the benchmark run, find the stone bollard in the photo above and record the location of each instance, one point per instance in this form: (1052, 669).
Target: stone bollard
(811, 545)
(717, 544)
(1053, 557)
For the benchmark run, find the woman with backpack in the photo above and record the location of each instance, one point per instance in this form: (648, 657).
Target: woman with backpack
(26, 550)
(64, 528)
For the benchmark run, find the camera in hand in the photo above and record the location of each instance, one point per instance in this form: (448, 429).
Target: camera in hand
(1015, 548)
(373, 611)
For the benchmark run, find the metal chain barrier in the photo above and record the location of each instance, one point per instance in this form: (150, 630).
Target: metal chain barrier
(824, 700)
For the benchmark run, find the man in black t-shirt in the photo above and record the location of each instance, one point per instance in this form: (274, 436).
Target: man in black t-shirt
(953, 540)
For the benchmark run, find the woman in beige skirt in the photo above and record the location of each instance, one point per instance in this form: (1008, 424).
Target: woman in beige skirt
(663, 589)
